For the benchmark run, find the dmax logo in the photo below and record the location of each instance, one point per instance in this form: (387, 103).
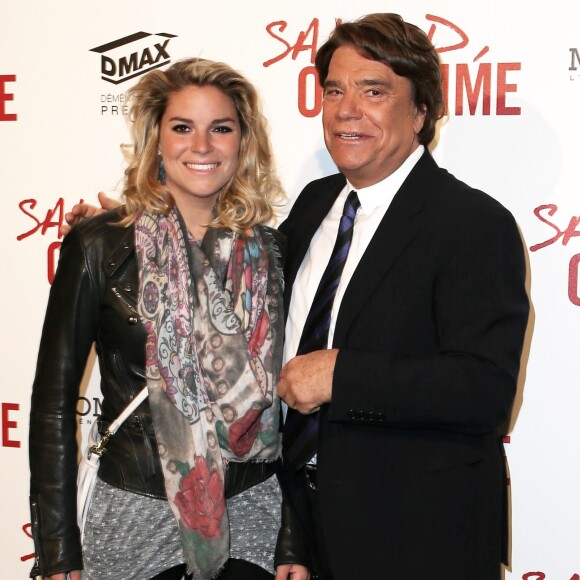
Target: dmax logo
(574, 67)
(575, 59)
(134, 55)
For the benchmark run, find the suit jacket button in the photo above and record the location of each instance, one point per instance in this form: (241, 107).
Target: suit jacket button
(132, 320)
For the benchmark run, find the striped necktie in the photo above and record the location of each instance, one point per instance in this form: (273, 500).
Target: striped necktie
(301, 431)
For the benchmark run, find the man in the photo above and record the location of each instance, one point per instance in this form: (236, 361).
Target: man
(406, 479)
(426, 330)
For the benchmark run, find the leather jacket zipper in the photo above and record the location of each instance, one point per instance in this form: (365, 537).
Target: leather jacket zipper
(35, 572)
(118, 294)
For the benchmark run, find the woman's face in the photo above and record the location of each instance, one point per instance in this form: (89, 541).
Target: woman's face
(199, 138)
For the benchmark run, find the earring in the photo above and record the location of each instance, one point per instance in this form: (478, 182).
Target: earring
(161, 173)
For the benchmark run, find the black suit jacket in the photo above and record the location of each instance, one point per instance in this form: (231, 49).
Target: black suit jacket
(411, 470)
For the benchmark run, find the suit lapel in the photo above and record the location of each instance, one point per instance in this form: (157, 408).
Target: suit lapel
(400, 225)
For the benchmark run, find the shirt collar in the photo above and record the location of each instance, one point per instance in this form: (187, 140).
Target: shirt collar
(384, 191)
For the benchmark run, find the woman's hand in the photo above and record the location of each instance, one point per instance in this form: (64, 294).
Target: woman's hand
(292, 572)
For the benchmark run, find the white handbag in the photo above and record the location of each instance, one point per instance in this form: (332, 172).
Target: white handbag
(89, 463)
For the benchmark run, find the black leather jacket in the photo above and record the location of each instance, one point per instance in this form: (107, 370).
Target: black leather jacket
(93, 300)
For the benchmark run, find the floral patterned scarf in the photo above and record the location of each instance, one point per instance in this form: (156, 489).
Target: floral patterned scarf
(213, 356)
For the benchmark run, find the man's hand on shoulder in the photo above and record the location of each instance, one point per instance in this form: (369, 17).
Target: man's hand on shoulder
(85, 210)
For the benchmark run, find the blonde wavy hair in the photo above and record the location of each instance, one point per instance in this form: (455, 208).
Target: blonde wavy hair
(250, 196)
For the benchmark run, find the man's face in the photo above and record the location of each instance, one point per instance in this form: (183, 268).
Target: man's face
(370, 121)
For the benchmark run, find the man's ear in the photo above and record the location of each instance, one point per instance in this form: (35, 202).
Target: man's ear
(419, 121)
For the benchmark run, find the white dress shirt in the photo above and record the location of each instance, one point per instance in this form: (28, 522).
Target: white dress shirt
(375, 201)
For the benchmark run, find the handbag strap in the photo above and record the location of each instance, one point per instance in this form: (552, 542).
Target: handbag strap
(128, 410)
(100, 446)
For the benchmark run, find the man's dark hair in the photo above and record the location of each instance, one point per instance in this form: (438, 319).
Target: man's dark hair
(404, 48)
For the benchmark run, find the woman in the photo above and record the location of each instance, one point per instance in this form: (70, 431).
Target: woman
(180, 289)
